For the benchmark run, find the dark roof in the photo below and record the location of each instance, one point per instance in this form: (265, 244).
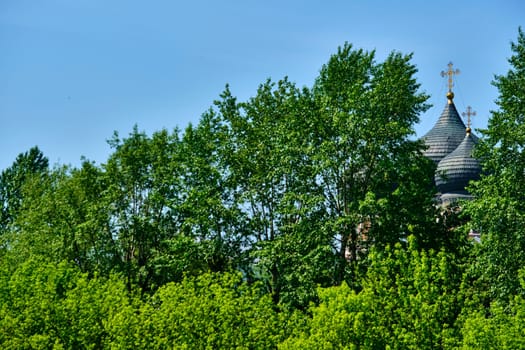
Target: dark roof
(446, 135)
(454, 172)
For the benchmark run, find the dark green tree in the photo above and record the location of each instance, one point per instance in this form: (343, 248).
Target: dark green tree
(501, 326)
(207, 211)
(268, 170)
(373, 178)
(498, 210)
(28, 164)
(65, 217)
(321, 174)
(143, 186)
(210, 234)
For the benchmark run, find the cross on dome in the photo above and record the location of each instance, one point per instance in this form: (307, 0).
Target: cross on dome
(469, 112)
(450, 73)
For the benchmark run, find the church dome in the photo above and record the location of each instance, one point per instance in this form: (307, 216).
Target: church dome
(459, 167)
(447, 133)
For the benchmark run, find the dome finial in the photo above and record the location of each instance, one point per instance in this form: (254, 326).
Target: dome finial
(468, 114)
(450, 73)
(450, 97)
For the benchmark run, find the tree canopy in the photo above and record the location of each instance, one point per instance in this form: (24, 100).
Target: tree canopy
(499, 206)
(301, 218)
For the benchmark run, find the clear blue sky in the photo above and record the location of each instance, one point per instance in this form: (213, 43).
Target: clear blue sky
(73, 71)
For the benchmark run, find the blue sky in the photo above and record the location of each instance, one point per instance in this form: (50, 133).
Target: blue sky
(73, 71)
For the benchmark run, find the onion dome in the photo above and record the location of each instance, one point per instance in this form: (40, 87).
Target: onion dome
(447, 133)
(458, 168)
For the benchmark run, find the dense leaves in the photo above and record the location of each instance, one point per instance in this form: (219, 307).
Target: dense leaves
(498, 212)
(302, 218)
(408, 301)
(26, 166)
(56, 306)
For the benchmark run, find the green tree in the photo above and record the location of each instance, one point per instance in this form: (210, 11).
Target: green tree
(267, 169)
(170, 206)
(321, 174)
(501, 326)
(498, 210)
(142, 194)
(207, 210)
(54, 305)
(408, 301)
(32, 233)
(367, 168)
(210, 311)
(28, 164)
(64, 217)
(208, 234)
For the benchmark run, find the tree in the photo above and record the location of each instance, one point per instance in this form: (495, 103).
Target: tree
(211, 311)
(500, 326)
(408, 301)
(143, 187)
(312, 170)
(268, 172)
(54, 305)
(64, 217)
(12, 179)
(170, 206)
(207, 211)
(498, 208)
(366, 165)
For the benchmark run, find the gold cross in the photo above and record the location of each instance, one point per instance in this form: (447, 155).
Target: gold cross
(450, 73)
(468, 114)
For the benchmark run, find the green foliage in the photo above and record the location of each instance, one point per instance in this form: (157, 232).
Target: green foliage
(26, 166)
(141, 195)
(270, 176)
(207, 209)
(56, 306)
(308, 167)
(498, 211)
(213, 312)
(169, 203)
(366, 166)
(300, 218)
(64, 218)
(408, 301)
(502, 326)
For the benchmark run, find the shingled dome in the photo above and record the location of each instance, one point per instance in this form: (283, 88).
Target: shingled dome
(456, 170)
(446, 135)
